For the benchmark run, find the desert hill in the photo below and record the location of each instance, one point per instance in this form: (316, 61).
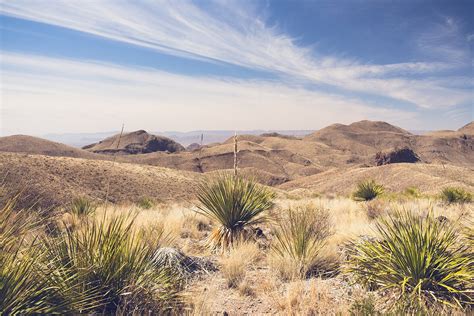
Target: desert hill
(53, 181)
(274, 158)
(467, 129)
(429, 179)
(138, 142)
(35, 145)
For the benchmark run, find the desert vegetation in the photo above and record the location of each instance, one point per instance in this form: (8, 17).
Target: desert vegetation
(240, 246)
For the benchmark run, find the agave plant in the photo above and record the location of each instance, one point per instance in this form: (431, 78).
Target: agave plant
(234, 203)
(299, 238)
(455, 195)
(420, 259)
(367, 190)
(82, 206)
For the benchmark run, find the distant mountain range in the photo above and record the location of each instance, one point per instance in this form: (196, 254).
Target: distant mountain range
(184, 138)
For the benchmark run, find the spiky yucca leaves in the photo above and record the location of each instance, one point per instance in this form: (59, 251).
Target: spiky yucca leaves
(82, 206)
(108, 259)
(299, 238)
(456, 195)
(367, 190)
(234, 203)
(29, 284)
(420, 259)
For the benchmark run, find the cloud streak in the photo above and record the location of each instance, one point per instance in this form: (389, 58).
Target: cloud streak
(43, 95)
(227, 32)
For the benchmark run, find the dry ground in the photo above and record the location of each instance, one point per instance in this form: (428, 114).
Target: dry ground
(259, 289)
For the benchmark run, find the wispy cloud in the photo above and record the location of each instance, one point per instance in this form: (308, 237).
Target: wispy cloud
(227, 32)
(445, 41)
(44, 94)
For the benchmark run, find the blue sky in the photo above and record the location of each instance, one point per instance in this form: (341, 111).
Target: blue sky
(75, 66)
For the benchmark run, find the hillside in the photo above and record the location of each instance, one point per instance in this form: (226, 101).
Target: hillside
(429, 179)
(35, 145)
(52, 181)
(273, 158)
(138, 142)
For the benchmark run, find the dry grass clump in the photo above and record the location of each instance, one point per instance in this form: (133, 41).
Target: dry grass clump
(456, 195)
(367, 190)
(235, 263)
(233, 203)
(300, 236)
(311, 297)
(422, 261)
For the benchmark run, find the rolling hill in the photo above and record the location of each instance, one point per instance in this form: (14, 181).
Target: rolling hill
(331, 159)
(138, 142)
(47, 181)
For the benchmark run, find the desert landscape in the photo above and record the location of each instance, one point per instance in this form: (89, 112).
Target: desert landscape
(324, 195)
(237, 157)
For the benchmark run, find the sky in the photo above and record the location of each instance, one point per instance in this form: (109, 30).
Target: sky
(93, 65)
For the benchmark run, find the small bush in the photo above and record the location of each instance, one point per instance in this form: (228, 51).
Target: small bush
(233, 203)
(82, 207)
(367, 190)
(456, 195)
(299, 238)
(421, 260)
(412, 192)
(145, 203)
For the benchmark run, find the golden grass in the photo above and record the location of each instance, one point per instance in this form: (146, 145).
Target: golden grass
(244, 271)
(237, 261)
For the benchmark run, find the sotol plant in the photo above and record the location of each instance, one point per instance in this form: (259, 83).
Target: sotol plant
(30, 280)
(367, 190)
(108, 259)
(456, 195)
(421, 260)
(234, 203)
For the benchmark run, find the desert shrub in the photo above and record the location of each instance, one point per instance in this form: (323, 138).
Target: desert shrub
(234, 203)
(421, 260)
(412, 192)
(29, 281)
(237, 261)
(299, 238)
(367, 190)
(145, 203)
(82, 206)
(455, 195)
(106, 257)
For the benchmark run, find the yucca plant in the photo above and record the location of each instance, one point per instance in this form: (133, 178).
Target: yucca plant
(299, 238)
(82, 206)
(109, 260)
(29, 284)
(234, 203)
(367, 190)
(455, 195)
(419, 259)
